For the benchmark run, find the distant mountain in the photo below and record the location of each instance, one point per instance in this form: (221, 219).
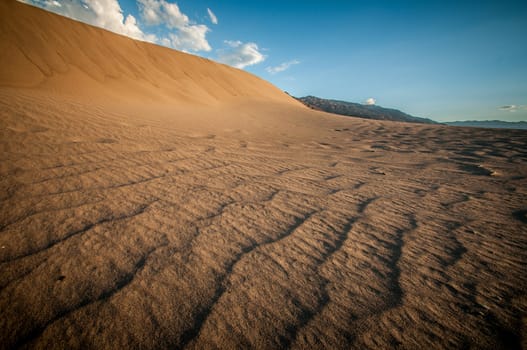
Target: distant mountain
(496, 124)
(359, 110)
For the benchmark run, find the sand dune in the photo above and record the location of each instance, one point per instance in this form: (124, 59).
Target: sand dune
(152, 199)
(88, 62)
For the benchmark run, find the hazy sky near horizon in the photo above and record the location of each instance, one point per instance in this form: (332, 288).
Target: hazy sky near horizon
(445, 60)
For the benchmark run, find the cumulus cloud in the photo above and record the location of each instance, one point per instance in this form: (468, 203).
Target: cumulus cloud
(42, 3)
(188, 36)
(240, 55)
(370, 101)
(155, 12)
(184, 34)
(106, 14)
(212, 16)
(175, 29)
(282, 67)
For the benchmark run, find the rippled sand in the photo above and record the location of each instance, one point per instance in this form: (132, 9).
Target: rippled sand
(252, 223)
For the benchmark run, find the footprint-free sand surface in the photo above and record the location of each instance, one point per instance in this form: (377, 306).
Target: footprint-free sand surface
(151, 199)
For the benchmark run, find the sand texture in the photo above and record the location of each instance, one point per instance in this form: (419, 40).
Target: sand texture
(150, 199)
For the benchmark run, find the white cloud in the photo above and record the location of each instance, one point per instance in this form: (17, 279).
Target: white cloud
(106, 14)
(183, 34)
(370, 101)
(150, 11)
(282, 67)
(165, 42)
(155, 12)
(188, 36)
(240, 55)
(512, 108)
(212, 16)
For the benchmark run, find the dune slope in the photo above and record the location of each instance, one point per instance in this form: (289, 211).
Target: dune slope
(67, 57)
(151, 199)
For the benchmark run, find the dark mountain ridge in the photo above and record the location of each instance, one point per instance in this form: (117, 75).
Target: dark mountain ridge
(495, 124)
(360, 110)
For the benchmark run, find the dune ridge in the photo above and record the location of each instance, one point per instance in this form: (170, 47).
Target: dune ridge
(89, 61)
(172, 202)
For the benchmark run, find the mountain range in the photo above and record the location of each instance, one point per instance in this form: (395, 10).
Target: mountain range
(495, 124)
(360, 110)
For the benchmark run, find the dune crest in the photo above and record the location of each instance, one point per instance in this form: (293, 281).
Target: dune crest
(89, 61)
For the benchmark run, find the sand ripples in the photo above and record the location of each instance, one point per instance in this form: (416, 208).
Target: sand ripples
(380, 234)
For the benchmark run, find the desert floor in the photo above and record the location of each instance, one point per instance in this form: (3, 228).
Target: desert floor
(161, 228)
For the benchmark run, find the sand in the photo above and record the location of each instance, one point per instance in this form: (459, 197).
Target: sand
(152, 199)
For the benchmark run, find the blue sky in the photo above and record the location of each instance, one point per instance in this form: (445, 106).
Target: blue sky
(445, 60)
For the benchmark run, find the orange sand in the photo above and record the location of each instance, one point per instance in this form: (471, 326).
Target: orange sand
(153, 199)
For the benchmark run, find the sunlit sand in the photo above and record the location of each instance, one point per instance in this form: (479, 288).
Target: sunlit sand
(153, 199)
